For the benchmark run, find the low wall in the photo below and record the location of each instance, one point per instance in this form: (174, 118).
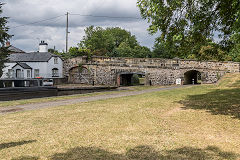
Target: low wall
(17, 93)
(58, 81)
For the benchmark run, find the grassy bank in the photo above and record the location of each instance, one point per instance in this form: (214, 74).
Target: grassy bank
(201, 122)
(49, 99)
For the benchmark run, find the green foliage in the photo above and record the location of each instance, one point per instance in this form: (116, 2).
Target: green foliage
(187, 25)
(235, 53)
(51, 50)
(212, 52)
(75, 52)
(135, 79)
(3, 58)
(161, 50)
(141, 52)
(61, 54)
(112, 42)
(80, 67)
(235, 50)
(124, 50)
(4, 36)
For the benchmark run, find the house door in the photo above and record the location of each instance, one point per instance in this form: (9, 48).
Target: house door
(18, 73)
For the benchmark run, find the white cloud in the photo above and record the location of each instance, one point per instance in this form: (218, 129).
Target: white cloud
(27, 11)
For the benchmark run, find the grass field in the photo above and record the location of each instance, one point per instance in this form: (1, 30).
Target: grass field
(196, 123)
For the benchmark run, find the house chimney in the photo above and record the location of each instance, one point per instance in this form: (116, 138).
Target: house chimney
(8, 44)
(43, 47)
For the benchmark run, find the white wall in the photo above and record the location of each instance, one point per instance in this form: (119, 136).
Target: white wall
(23, 75)
(45, 68)
(5, 70)
(23, 72)
(59, 66)
(43, 48)
(42, 66)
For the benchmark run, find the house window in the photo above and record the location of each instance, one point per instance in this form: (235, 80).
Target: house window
(36, 73)
(55, 72)
(55, 60)
(28, 74)
(19, 73)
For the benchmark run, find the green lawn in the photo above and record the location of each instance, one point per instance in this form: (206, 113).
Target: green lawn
(197, 123)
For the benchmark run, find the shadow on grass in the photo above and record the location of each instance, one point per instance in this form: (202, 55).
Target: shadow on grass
(236, 84)
(145, 153)
(14, 144)
(220, 101)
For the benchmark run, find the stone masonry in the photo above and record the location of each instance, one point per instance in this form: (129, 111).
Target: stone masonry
(106, 70)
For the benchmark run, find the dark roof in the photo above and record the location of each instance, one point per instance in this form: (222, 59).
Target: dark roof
(31, 57)
(23, 65)
(13, 49)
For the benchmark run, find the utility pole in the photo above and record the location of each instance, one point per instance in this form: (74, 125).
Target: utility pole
(67, 33)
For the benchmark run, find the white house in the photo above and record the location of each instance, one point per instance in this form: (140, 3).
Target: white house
(43, 64)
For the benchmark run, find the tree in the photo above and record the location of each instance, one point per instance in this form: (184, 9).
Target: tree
(112, 42)
(161, 50)
(212, 52)
(96, 40)
(124, 50)
(235, 49)
(4, 36)
(142, 52)
(51, 50)
(187, 25)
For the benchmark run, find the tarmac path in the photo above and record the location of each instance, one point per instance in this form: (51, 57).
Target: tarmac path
(26, 107)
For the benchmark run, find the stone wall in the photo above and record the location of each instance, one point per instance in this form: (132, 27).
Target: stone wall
(105, 70)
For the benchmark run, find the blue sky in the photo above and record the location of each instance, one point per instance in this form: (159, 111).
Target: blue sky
(53, 31)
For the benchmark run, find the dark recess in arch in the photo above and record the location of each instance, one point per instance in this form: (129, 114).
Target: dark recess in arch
(192, 77)
(129, 78)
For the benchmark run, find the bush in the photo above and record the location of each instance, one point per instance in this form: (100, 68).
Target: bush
(135, 79)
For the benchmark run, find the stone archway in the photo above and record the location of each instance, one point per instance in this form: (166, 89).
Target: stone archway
(192, 77)
(80, 76)
(129, 78)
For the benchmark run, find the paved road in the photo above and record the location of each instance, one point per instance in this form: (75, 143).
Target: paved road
(6, 110)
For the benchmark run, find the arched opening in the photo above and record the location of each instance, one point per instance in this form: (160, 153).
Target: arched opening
(131, 79)
(80, 75)
(126, 79)
(192, 77)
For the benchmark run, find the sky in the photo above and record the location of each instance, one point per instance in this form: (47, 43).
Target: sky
(27, 37)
